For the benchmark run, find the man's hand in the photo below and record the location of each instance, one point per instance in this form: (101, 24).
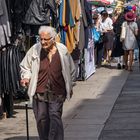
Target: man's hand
(24, 82)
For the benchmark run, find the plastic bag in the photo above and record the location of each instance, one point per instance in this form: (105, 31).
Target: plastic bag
(96, 35)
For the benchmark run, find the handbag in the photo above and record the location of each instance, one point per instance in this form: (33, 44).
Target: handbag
(123, 32)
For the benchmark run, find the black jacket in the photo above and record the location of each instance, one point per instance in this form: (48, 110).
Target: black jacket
(31, 12)
(38, 12)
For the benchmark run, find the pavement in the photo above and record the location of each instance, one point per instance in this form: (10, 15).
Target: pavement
(124, 120)
(104, 107)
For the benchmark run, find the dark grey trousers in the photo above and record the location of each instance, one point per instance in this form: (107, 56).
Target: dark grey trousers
(48, 119)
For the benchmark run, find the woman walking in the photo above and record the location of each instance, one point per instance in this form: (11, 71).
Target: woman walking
(108, 36)
(129, 43)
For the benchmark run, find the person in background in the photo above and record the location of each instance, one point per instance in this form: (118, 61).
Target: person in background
(108, 36)
(134, 9)
(48, 71)
(138, 37)
(98, 44)
(129, 42)
(118, 50)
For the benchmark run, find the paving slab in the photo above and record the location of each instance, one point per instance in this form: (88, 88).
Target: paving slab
(80, 131)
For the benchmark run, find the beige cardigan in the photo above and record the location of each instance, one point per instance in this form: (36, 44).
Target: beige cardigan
(30, 68)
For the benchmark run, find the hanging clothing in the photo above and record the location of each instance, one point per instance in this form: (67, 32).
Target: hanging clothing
(86, 13)
(5, 31)
(85, 21)
(1, 8)
(84, 17)
(0, 74)
(76, 12)
(67, 25)
(17, 15)
(81, 43)
(38, 12)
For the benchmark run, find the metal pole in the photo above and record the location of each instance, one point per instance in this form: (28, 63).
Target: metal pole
(27, 124)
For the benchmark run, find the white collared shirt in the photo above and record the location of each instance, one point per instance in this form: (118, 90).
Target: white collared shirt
(107, 24)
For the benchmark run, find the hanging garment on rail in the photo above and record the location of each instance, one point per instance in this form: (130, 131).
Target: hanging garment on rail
(67, 25)
(11, 57)
(0, 75)
(39, 11)
(5, 31)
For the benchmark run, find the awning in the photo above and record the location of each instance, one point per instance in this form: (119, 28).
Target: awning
(99, 2)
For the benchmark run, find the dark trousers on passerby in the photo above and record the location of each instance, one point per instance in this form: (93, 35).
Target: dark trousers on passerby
(99, 47)
(48, 118)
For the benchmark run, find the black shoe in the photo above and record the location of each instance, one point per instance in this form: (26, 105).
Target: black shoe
(118, 66)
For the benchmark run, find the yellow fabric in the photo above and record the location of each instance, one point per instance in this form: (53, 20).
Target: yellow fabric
(69, 40)
(75, 9)
(72, 34)
(64, 13)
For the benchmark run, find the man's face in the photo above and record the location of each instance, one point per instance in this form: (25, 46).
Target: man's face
(46, 40)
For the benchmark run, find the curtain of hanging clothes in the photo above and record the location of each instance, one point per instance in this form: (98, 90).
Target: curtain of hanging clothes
(85, 25)
(75, 18)
(5, 34)
(11, 55)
